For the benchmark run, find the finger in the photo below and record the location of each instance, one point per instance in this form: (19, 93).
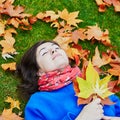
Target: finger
(96, 101)
(99, 106)
(106, 118)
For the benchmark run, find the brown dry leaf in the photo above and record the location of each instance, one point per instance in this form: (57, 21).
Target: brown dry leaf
(55, 24)
(78, 34)
(25, 25)
(1, 1)
(13, 11)
(52, 14)
(98, 61)
(40, 15)
(114, 85)
(8, 43)
(32, 19)
(114, 57)
(14, 21)
(102, 4)
(83, 54)
(116, 4)
(115, 70)
(7, 114)
(70, 18)
(2, 27)
(95, 33)
(25, 22)
(9, 66)
(48, 16)
(65, 31)
(72, 52)
(63, 42)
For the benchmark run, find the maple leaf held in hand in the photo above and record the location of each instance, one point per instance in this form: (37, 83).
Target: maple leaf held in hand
(93, 85)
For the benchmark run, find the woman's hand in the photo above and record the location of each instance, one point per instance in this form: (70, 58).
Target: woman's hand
(111, 118)
(92, 111)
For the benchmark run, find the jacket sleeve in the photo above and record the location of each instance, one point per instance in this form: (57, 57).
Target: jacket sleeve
(69, 116)
(32, 113)
(116, 100)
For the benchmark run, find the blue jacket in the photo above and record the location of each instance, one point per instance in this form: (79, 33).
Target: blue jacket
(61, 104)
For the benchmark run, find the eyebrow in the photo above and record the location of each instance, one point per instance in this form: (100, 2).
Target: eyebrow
(41, 49)
(45, 47)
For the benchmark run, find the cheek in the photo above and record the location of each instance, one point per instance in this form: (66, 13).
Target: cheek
(65, 57)
(46, 63)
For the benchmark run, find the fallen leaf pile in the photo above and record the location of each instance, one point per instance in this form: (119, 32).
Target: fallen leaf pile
(68, 37)
(7, 114)
(103, 4)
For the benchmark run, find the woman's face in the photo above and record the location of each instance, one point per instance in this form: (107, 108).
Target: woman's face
(51, 57)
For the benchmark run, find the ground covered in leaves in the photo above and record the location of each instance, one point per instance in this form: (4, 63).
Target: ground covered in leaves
(85, 18)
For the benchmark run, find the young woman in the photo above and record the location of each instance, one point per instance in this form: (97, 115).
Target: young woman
(47, 78)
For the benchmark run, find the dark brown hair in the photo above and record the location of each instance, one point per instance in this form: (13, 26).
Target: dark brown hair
(27, 70)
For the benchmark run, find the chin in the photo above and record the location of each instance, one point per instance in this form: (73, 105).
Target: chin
(62, 66)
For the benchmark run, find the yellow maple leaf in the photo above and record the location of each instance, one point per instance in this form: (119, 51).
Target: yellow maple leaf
(93, 84)
(13, 103)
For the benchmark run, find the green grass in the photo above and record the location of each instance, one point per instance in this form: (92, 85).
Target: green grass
(88, 12)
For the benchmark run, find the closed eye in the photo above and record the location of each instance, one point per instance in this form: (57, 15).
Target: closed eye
(57, 48)
(44, 53)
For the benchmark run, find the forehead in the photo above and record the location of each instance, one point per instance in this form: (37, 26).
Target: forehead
(45, 45)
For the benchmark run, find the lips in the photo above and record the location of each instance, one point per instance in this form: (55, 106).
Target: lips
(56, 55)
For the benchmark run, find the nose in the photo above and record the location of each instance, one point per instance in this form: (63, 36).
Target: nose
(53, 51)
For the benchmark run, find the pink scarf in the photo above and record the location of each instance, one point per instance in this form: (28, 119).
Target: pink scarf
(55, 80)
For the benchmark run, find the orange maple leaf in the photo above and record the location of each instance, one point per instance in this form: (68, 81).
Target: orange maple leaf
(2, 27)
(95, 33)
(98, 61)
(114, 57)
(103, 3)
(14, 21)
(9, 66)
(71, 52)
(78, 35)
(7, 114)
(13, 11)
(70, 18)
(114, 85)
(8, 43)
(116, 4)
(115, 70)
(48, 16)
(65, 31)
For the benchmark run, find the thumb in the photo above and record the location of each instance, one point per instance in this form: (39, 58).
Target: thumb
(106, 118)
